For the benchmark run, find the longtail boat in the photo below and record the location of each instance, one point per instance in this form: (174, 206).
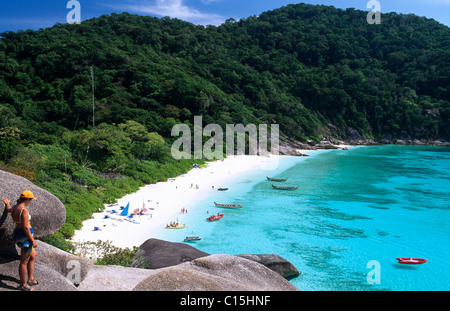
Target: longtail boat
(176, 227)
(228, 205)
(277, 179)
(215, 217)
(285, 188)
(411, 261)
(192, 238)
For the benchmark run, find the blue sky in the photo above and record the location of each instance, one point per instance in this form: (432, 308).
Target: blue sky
(34, 14)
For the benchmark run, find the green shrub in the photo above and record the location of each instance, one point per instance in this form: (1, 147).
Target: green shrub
(105, 253)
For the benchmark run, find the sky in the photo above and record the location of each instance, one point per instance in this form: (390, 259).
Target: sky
(35, 14)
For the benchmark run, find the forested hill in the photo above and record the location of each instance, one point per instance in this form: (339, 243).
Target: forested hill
(315, 70)
(302, 66)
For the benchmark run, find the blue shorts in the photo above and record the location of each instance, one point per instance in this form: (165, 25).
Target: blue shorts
(21, 239)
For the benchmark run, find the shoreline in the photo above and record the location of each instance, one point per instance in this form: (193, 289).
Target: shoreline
(295, 148)
(164, 201)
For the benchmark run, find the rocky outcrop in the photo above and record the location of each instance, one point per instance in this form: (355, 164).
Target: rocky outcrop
(59, 271)
(350, 136)
(114, 278)
(217, 273)
(75, 268)
(294, 148)
(183, 279)
(50, 280)
(48, 213)
(56, 270)
(156, 254)
(209, 273)
(424, 142)
(276, 263)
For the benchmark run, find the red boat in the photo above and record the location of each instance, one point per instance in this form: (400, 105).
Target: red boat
(411, 261)
(215, 217)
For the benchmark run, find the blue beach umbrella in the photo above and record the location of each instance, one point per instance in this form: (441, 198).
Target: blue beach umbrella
(125, 210)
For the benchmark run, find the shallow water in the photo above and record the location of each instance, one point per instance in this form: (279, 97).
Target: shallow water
(351, 208)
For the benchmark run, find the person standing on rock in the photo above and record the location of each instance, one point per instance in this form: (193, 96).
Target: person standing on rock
(23, 237)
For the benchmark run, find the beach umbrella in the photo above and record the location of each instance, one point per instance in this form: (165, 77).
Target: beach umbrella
(143, 207)
(125, 210)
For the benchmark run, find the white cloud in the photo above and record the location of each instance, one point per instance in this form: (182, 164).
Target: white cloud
(174, 8)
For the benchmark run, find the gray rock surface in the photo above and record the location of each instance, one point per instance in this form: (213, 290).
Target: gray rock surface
(49, 279)
(47, 274)
(180, 279)
(114, 278)
(274, 262)
(216, 273)
(57, 270)
(75, 268)
(48, 213)
(156, 254)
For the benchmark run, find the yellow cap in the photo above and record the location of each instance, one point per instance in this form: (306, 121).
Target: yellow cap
(27, 194)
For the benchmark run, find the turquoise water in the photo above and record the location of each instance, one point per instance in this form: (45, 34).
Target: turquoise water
(351, 207)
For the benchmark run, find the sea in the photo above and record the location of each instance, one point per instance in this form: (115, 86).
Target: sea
(354, 212)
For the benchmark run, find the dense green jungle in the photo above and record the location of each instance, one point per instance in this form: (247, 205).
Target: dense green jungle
(314, 70)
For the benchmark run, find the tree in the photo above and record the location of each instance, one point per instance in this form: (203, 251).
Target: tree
(156, 145)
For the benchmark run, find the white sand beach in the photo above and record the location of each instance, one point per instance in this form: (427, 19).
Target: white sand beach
(164, 201)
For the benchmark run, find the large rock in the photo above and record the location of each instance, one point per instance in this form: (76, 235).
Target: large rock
(216, 273)
(276, 263)
(354, 135)
(180, 279)
(294, 148)
(48, 213)
(156, 254)
(74, 268)
(56, 270)
(210, 273)
(114, 278)
(49, 279)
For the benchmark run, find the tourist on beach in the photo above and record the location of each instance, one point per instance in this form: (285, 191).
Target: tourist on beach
(23, 237)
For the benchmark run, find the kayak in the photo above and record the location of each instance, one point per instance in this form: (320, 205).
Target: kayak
(215, 217)
(411, 261)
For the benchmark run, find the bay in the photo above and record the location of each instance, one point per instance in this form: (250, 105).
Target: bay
(352, 209)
